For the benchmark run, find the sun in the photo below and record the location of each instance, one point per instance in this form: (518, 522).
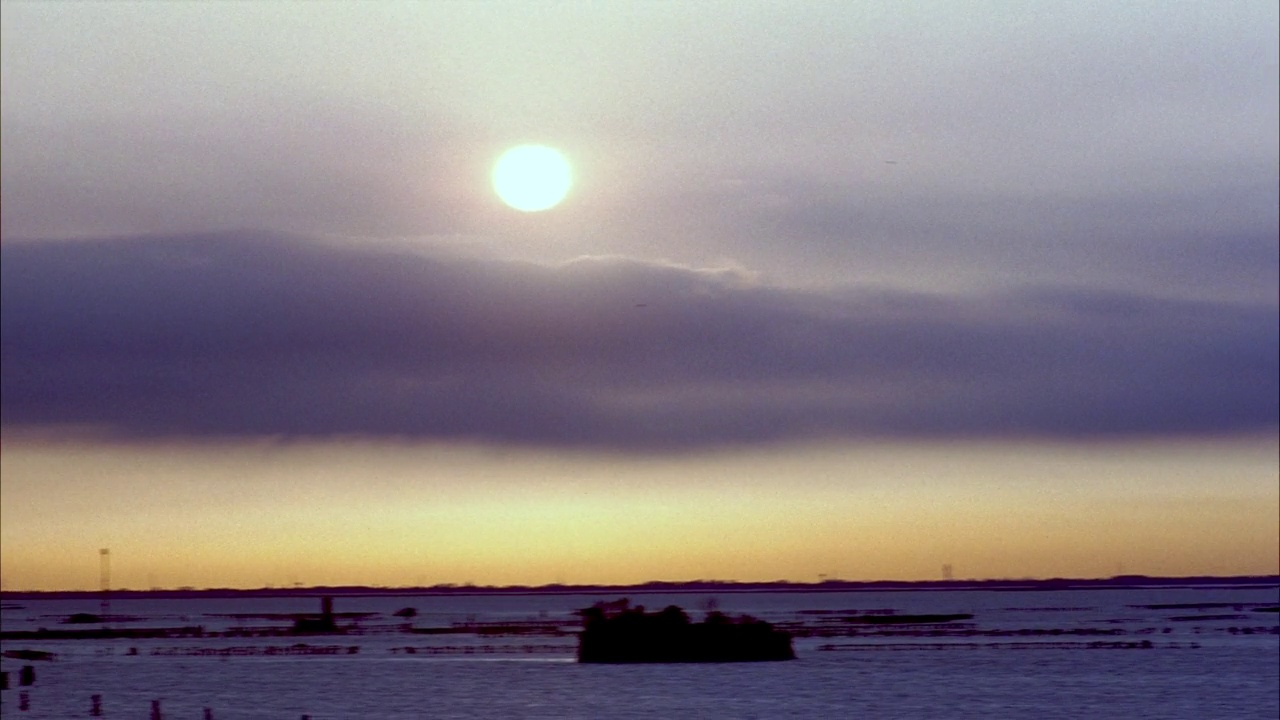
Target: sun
(531, 178)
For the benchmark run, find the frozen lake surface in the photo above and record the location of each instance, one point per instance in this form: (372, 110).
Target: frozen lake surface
(1099, 653)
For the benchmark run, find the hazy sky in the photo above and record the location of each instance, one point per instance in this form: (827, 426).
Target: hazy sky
(851, 289)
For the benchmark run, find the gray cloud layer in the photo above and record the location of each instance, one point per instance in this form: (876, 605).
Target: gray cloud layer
(258, 335)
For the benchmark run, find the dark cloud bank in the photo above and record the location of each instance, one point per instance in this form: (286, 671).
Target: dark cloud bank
(250, 335)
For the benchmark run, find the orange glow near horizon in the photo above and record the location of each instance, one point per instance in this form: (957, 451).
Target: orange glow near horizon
(254, 515)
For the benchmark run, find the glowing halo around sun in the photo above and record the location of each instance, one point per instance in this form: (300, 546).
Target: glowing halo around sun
(531, 178)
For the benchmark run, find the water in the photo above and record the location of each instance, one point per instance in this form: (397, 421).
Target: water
(1025, 654)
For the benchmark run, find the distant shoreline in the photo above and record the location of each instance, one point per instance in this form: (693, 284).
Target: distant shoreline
(661, 587)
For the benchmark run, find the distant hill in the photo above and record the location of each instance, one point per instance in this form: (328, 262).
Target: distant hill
(696, 586)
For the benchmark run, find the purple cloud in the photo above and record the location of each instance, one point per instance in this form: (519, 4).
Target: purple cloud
(248, 334)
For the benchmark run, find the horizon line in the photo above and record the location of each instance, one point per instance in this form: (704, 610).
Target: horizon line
(1126, 580)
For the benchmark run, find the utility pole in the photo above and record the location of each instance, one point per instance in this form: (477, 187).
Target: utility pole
(104, 576)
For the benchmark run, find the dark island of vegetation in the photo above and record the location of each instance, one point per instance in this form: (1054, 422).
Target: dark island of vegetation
(618, 633)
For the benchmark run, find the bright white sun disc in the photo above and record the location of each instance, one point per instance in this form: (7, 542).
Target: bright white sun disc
(532, 177)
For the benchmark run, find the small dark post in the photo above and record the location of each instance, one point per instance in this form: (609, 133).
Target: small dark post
(208, 714)
(24, 701)
(4, 681)
(27, 675)
(95, 706)
(327, 623)
(155, 710)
